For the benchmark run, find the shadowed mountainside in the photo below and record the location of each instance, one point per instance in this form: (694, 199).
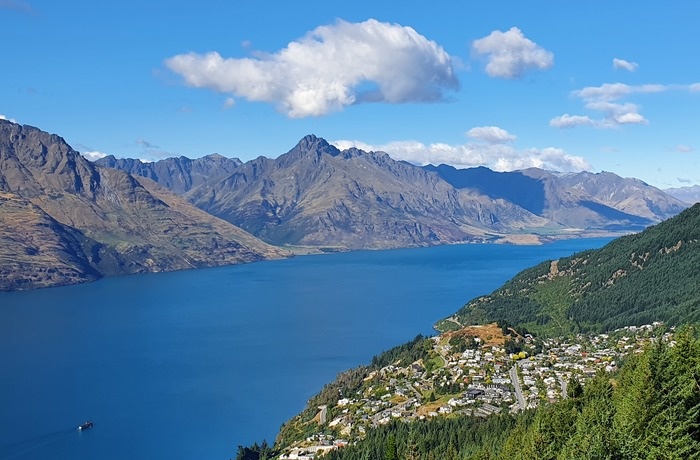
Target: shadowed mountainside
(577, 200)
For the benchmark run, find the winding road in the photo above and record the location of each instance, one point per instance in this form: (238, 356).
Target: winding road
(513, 372)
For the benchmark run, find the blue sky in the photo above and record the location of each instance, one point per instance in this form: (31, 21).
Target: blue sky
(560, 84)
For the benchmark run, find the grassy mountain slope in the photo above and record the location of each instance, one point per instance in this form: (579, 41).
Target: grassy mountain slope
(636, 279)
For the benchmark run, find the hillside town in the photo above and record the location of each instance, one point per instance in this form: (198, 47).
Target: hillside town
(477, 372)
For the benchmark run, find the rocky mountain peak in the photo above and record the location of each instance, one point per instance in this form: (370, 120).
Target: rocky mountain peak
(35, 160)
(308, 146)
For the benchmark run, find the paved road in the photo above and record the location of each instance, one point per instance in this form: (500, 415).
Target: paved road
(513, 372)
(324, 414)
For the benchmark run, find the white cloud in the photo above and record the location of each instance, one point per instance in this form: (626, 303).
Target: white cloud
(510, 54)
(681, 148)
(330, 68)
(93, 155)
(624, 65)
(3, 117)
(570, 121)
(614, 91)
(491, 134)
(694, 88)
(604, 99)
(229, 102)
(500, 157)
(616, 114)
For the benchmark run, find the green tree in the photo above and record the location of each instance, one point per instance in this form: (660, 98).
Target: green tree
(391, 452)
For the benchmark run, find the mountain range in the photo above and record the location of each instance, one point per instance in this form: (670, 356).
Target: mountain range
(65, 220)
(317, 195)
(689, 194)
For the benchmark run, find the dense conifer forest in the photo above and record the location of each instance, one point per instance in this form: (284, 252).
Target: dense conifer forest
(636, 279)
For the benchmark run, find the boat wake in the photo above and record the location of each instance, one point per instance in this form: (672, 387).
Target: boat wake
(18, 449)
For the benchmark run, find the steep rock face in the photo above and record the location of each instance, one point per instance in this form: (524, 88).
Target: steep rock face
(100, 221)
(317, 195)
(179, 175)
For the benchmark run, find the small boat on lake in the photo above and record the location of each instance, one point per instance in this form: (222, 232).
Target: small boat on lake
(85, 426)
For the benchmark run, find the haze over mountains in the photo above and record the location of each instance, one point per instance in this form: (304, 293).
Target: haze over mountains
(317, 195)
(687, 194)
(65, 220)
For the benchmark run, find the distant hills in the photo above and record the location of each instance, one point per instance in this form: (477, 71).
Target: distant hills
(687, 194)
(64, 220)
(635, 279)
(317, 195)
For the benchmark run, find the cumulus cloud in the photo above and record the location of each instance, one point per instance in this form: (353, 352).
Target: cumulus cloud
(93, 155)
(491, 134)
(571, 121)
(606, 99)
(624, 65)
(510, 54)
(3, 117)
(613, 91)
(330, 68)
(499, 157)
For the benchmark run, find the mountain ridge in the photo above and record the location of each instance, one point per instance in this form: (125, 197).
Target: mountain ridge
(90, 221)
(318, 195)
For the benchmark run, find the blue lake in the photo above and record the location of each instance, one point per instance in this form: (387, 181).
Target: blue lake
(190, 364)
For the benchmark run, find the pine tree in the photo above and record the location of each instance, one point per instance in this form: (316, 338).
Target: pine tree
(391, 452)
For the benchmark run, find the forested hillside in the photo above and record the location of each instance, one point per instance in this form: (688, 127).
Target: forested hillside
(636, 279)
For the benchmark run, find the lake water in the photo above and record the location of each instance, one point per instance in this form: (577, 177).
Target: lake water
(190, 364)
